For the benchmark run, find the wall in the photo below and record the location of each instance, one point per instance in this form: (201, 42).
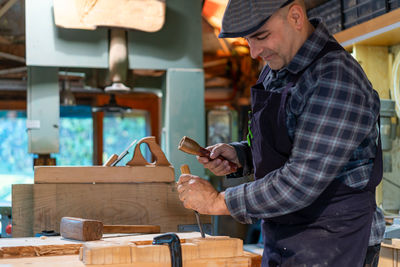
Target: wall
(391, 180)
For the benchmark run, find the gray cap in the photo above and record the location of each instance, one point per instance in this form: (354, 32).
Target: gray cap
(243, 17)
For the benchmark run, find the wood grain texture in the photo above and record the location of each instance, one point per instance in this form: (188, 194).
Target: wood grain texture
(144, 15)
(73, 261)
(81, 229)
(22, 210)
(138, 204)
(195, 252)
(34, 247)
(119, 251)
(375, 62)
(101, 174)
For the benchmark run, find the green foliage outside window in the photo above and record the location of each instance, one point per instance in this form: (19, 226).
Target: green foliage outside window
(76, 143)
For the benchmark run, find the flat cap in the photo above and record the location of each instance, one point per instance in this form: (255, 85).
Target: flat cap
(243, 17)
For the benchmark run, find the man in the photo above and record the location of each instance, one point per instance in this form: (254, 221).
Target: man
(311, 146)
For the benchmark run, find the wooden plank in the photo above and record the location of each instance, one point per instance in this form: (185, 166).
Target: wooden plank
(73, 261)
(383, 30)
(375, 61)
(388, 257)
(112, 250)
(142, 203)
(35, 246)
(56, 245)
(22, 210)
(45, 208)
(144, 15)
(220, 250)
(52, 261)
(103, 174)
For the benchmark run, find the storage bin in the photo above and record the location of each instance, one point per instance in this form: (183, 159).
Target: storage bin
(358, 11)
(394, 4)
(330, 12)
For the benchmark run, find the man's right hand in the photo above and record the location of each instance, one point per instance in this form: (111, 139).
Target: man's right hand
(217, 166)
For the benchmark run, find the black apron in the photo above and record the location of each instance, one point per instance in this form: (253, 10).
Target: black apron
(334, 230)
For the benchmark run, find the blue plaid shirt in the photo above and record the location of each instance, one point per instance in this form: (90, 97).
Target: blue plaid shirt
(333, 108)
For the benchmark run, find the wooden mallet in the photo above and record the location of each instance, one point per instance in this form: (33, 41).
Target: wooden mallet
(192, 147)
(89, 230)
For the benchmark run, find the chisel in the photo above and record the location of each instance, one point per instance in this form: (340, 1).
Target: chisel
(185, 170)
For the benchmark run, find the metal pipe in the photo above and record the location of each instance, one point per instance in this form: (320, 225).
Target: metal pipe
(13, 70)
(12, 57)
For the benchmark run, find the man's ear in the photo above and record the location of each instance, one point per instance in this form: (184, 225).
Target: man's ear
(296, 16)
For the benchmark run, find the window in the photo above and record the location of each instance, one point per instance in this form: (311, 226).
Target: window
(119, 132)
(76, 142)
(16, 164)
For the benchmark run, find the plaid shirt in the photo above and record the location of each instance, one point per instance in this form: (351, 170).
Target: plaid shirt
(331, 119)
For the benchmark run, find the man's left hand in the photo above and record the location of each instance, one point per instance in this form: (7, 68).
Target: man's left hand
(198, 194)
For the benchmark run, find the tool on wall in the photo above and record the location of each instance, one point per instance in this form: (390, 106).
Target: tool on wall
(185, 170)
(89, 230)
(174, 245)
(192, 147)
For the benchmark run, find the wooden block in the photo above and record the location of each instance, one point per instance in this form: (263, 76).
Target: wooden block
(22, 210)
(218, 247)
(103, 174)
(116, 252)
(51, 261)
(145, 15)
(193, 250)
(134, 204)
(151, 253)
(388, 257)
(33, 247)
(190, 251)
(233, 261)
(106, 252)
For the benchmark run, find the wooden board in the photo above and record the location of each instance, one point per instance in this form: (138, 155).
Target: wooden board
(136, 250)
(73, 261)
(100, 174)
(144, 15)
(57, 246)
(34, 247)
(380, 31)
(144, 203)
(209, 251)
(22, 210)
(389, 255)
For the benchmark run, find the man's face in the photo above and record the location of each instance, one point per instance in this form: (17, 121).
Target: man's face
(272, 42)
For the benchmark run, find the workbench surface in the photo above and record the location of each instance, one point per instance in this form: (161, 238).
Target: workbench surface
(60, 252)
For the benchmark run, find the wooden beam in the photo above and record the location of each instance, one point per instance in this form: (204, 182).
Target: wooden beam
(12, 57)
(102, 174)
(6, 7)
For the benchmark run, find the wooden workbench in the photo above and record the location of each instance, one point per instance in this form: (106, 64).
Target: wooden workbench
(59, 252)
